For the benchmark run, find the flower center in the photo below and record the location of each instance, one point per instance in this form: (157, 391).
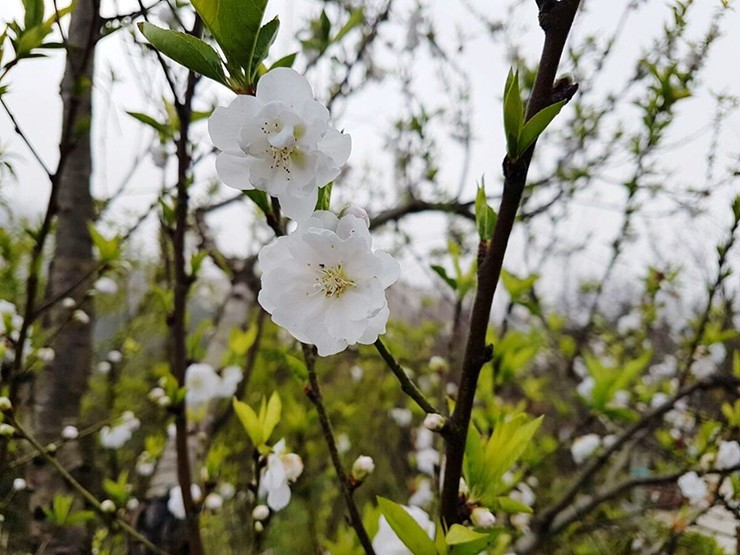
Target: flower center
(281, 141)
(333, 281)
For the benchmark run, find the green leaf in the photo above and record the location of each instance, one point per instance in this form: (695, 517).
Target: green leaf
(537, 124)
(241, 341)
(34, 13)
(187, 50)
(108, 249)
(516, 286)
(235, 24)
(272, 416)
(260, 199)
(323, 202)
(513, 113)
(441, 272)
(458, 534)
(440, 542)
(297, 367)
(509, 505)
(265, 38)
(285, 61)
(406, 528)
(161, 128)
(249, 420)
(485, 217)
(357, 17)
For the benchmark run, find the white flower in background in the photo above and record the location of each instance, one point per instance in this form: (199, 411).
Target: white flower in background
(10, 320)
(580, 368)
(260, 512)
(658, 400)
(427, 461)
(203, 383)
(19, 484)
(584, 446)
(175, 503)
(45, 354)
(81, 317)
(107, 506)
(325, 284)
(145, 464)
(132, 504)
(279, 141)
(159, 153)
(728, 455)
(434, 422)
(281, 470)
(356, 372)
(586, 388)
(116, 436)
(343, 443)
(68, 302)
(482, 518)
(115, 356)
(524, 494)
(710, 359)
(693, 487)
(106, 286)
(621, 399)
(387, 542)
(213, 502)
(438, 364)
(665, 369)
(227, 490)
(628, 322)
(70, 432)
(104, 367)
(401, 416)
(424, 494)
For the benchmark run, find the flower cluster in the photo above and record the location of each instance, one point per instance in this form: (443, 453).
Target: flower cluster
(114, 437)
(203, 383)
(281, 470)
(323, 282)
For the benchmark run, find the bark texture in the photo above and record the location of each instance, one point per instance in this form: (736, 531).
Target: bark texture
(59, 387)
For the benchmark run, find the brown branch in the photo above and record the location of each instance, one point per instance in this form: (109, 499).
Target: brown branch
(416, 205)
(313, 392)
(407, 385)
(556, 19)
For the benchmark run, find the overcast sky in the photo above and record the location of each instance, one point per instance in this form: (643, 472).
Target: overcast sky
(368, 115)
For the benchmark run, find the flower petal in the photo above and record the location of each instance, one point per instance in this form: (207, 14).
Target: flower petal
(224, 125)
(235, 170)
(285, 85)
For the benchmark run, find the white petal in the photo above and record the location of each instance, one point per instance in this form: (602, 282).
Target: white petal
(375, 327)
(298, 208)
(224, 125)
(279, 498)
(235, 170)
(336, 146)
(391, 269)
(284, 85)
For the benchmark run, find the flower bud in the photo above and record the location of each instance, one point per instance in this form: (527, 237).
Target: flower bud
(260, 512)
(68, 302)
(5, 405)
(356, 211)
(104, 366)
(437, 364)
(362, 468)
(115, 357)
(6, 430)
(108, 506)
(19, 484)
(132, 504)
(81, 317)
(258, 527)
(70, 432)
(482, 518)
(434, 422)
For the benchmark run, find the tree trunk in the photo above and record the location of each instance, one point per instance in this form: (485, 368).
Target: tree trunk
(59, 387)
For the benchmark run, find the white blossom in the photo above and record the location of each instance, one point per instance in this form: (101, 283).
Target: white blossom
(69, 302)
(176, 504)
(70, 432)
(19, 484)
(281, 470)
(107, 506)
(356, 372)
(584, 446)
(279, 141)
(203, 383)
(81, 317)
(114, 437)
(106, 286)
(401, 416)
(260, 512)
(104, 366)
(227, 490)
(434, 422)
(213, 502)
(343, 443)
(437, 364)
(586, 387)
(427, 460)
(325, 284)
(423, 495)
(45, 354)
(524, 494)
(387, 542)
(693, 487)
(5, 404)
(728, 455)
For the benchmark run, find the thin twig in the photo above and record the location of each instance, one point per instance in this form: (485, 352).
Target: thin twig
(407, 385)
(313, 392)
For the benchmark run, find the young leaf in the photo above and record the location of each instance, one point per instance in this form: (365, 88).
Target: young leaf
(537, 124)
(285, 61)
(458, 534)
(509, 505)
(161, 128)
(265, 38)
(34, 13)
(441, 272)
(187, 50)
(235, 25)
(272, 416)
(355, 18)
(513, 113)
(406, 528)
(260, 199)
(323, 202)
(485, 217)
(249, 420)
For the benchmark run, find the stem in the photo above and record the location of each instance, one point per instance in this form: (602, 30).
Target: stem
(86, 495)
(313, 392)
(407, 386)
(556, 20)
